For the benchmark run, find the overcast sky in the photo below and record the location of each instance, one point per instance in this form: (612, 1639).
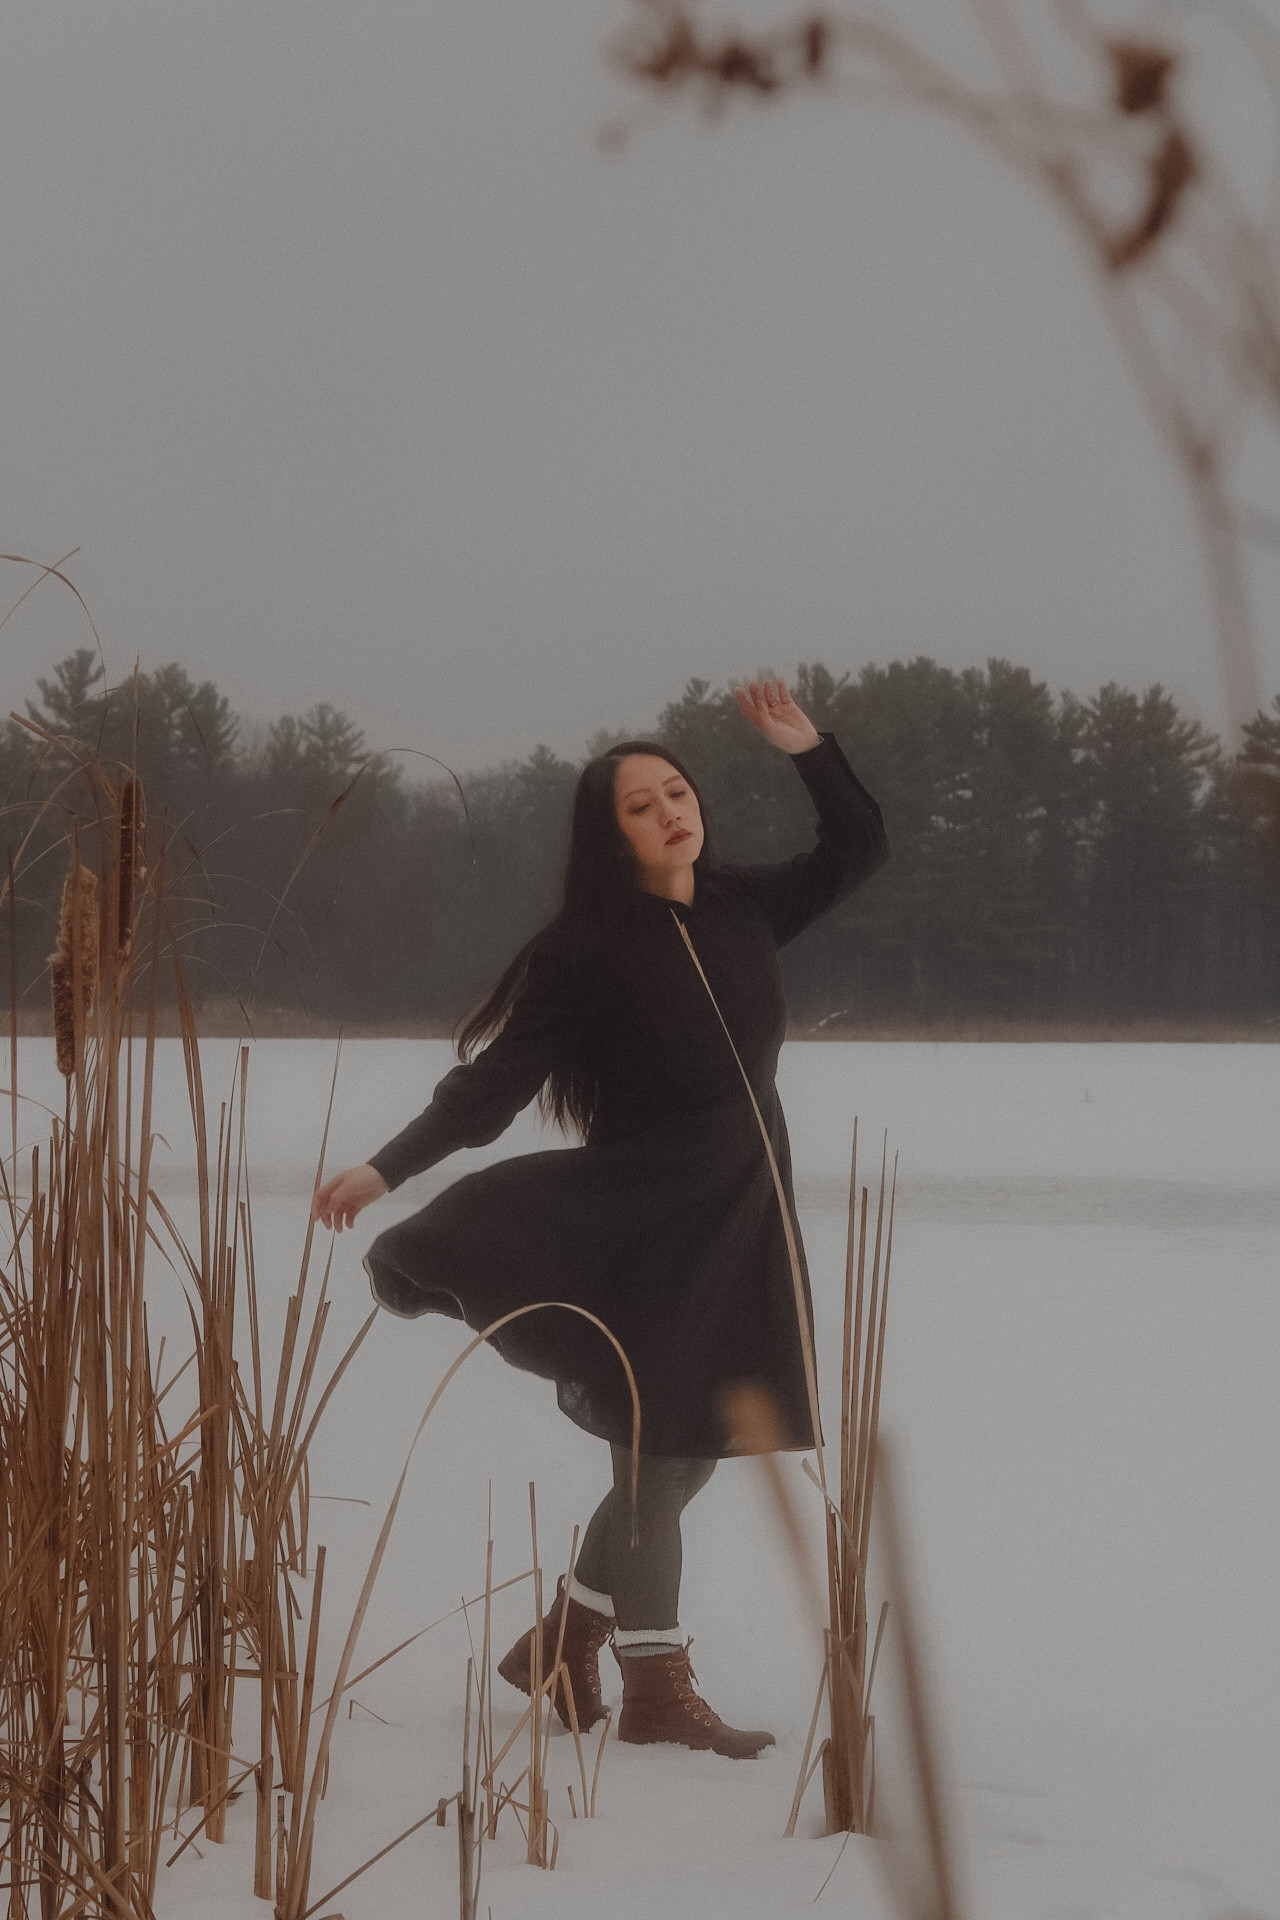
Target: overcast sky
(358, 371)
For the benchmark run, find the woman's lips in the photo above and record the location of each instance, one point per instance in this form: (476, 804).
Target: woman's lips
(673, 837)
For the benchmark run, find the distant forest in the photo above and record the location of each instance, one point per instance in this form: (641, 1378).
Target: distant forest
(1053, 859)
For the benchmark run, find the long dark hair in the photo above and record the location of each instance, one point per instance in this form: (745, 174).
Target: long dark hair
(601, 888)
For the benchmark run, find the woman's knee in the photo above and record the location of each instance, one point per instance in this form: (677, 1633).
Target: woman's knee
(664, 1487)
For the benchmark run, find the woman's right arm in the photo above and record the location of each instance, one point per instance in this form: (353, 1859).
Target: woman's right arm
(477, 1100)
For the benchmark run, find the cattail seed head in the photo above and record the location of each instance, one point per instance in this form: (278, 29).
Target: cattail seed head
(64, 1013)
(73, 964)
(128, 845)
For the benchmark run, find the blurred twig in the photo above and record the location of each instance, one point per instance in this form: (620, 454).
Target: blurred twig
(1188, 278)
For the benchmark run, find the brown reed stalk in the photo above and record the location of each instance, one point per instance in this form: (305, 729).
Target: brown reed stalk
(292, 1886)
(560, 1677)
(89, 1477)
(144, 1562)
(126, 1592)
(537, 1832)
(73, 964)
(129, 833)
(784, 1209)
(847, 1771)
(848, 1782)
(482, 1797)
(468, 1876)
(476, 1822)
(13, 1040)
(485, 1706)
(341, 1680)
(940, 1896)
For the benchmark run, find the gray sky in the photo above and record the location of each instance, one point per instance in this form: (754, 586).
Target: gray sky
(357, 371)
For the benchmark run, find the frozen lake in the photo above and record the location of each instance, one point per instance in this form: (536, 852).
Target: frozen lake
(1082, 1346)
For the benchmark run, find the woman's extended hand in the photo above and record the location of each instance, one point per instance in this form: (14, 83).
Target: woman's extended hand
(339, 1200)
(771, 710)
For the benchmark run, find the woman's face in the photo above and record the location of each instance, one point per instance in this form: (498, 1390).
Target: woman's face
(659, 816)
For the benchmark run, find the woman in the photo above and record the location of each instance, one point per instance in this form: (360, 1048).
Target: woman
(665, 1223)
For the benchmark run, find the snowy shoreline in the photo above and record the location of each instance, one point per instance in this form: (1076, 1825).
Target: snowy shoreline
(1080, 1377)
(1098, 1111)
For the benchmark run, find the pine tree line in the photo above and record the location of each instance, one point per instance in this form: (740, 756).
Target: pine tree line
(1054, 860)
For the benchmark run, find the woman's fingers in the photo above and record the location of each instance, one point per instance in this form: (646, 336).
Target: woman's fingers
(772, 710)
(337, 1201)
(341, 1213)
(763, 700)
(326, 1198)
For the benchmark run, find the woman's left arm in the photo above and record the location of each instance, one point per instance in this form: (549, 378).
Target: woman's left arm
(851, 840)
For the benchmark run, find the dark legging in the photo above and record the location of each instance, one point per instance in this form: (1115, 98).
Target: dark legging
(643, 1580)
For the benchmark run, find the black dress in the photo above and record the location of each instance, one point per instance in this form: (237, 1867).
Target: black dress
(665, 1222)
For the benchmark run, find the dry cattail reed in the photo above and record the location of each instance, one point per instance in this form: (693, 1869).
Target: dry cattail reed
(128, 859)
(847, 1755)
(294, 1906)
(837, 1605)
(73, 965)
(537, 1828)
(925, 1880)
(146, 1544)
(848, 1761)
(150, 1546)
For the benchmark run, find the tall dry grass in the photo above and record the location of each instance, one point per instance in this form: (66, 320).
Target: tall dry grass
(153, 1507)
(924, 1879)
(480, 1761)
(846, 1755)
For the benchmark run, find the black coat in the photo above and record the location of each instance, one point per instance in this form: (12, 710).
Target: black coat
(665, 1222)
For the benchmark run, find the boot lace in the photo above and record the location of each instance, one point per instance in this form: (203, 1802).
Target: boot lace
(599, 1632)
(686, 1679)
(596, 1628)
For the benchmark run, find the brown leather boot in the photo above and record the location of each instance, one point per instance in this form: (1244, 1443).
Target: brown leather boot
(585, 1633)
(659, 1703)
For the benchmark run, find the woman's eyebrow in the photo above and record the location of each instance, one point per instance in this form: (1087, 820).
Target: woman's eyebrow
(631, 792)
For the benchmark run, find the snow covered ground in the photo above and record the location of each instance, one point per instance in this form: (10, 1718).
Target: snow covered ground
(1082, 1349)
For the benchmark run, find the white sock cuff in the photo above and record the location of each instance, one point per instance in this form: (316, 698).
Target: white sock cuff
(626, 1638)
(588, 1597)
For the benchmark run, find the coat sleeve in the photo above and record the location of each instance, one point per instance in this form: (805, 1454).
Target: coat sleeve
(477, 1100)
(851, 845)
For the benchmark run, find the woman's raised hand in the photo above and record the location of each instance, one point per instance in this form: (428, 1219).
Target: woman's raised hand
(338, 1201)
(771, 710)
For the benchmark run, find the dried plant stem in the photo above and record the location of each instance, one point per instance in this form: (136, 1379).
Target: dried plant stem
(538, 1707)
(1189, 278)
(943, 1899)
(129, 1601)
(784, 1207)
(341, 1680)
(845, 1680)
(468, 1878)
